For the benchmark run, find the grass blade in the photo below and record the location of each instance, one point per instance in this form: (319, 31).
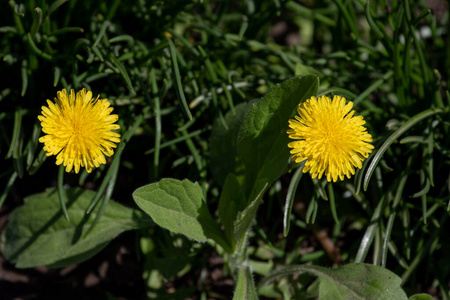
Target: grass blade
(178, 85)
(15, 141)
(390, 224)
(124, 73)
(348, 19)
(116, 160)
(411, 122)
(24, 74)
(290, 198)
(61, 192)
(101, 33)
(373, 87)
(370, 232)
(332, 203)
(10, 183)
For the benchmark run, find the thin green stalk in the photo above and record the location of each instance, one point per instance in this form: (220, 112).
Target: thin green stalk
(158, 125)
(116, 160)
(17, 20)
(370, 232)
(229, 98)
(179, 139)
(320, 189)
(424, 251)
(332, 203)
(101, 33)
(10, 183)
(373, 87)
(310, 13)
(107, 196)
(290, 198)
(391, 219)
(37, 163)
(398, 74)
(37, 21)
(35, 49)
(24, 75)
(124, 73)
(376, 247)
(393, 137)
(54, 6)
(194, 151)
(177, 80)
(15, 141)
(66, 30)
(61, 192)
(185, 42)
(32, 145)
(371, 22)
(311, 212)
(244, 27)
(112, 9)
(417, 47)
(209, 66)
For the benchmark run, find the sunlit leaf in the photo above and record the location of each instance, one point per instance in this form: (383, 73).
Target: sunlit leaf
(352, 281)
(180, 207)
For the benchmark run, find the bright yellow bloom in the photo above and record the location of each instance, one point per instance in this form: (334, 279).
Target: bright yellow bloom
(79, 130)
(331, 140)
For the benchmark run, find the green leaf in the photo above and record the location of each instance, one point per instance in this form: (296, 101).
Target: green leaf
(224, 158)
(262, 141)
(54, 6)
(245, 287)
(178, 85)
(352, 281)
(60, 189)
(123, 72)
(421, 297)
(180, 207)
(38, 234)
(290, 198)
(245, 217)
(231, 201)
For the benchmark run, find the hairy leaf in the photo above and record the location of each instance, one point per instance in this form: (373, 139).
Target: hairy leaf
(352, 281)
(38, 234)
(179, 206)
(262, 141)
(245, 288)
(224, 158)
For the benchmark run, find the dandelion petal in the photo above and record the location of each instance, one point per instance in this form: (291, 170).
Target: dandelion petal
(329, 137)
(78, 130)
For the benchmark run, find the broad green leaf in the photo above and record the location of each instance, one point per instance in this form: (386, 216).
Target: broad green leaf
(38, 234)
(421, 297)
(224, 158)
(231, 201)
(179, 206)
(245, 287)
(164, 256)
(352, 281)
(245, 217)
(262, 140)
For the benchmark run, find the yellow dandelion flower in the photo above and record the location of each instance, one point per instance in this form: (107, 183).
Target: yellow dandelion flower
(327, 135)
(79, 130)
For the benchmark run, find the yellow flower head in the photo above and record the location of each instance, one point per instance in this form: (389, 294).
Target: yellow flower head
(79, 130)
(327, 135)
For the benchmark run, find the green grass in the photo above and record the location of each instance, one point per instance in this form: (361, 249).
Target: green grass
(174, 69)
